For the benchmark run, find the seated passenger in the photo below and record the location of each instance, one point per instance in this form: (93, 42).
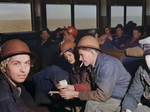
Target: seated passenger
(109, 79)
(140, 85)
(16, 60)
(119, 39)
(107, 34)
(132, 42)
(42, 49)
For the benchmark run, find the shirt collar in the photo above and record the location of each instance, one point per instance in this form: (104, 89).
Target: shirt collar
(93, 65)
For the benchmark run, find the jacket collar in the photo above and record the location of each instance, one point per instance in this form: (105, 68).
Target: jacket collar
(13, 88)
(98, 59)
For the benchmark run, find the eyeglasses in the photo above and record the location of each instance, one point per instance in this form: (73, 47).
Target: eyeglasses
(44, 34)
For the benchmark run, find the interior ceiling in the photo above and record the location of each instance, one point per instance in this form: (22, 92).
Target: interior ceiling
(20, 1)
(128, 2)
(112, 2)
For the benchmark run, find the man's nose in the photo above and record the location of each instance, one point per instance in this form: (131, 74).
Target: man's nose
(80, 58)
(22, 68)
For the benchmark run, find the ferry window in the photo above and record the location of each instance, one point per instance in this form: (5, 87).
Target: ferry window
(58, 16)
(15, 17)
(85, 16)
(134, 14)
(117, 14)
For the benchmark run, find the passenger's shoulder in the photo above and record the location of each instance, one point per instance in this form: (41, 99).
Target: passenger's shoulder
(109, 59)
(5, 90)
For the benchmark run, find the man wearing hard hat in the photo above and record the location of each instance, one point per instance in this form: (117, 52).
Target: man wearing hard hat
(109, 80)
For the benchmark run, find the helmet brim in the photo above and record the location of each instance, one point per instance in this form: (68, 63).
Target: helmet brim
(33, 56)
(79, 47)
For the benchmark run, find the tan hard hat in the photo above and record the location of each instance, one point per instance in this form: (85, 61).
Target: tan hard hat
(16, 47)
(66, 46)
(89, 42)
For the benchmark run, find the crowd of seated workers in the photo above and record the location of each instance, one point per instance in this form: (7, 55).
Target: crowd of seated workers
(84, 87)
(125, 37)
(96, 82)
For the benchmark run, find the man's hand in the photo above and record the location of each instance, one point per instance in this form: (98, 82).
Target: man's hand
(68, 94)
(59, 86)
(127, 110)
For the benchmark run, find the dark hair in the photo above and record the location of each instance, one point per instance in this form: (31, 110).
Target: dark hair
(108, 27)
(136, 28)
(77, 69)
(119, 26)
(45, 29)
(77, 63)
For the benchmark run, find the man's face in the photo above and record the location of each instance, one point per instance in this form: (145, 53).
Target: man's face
(119, 32)
(45, 35)
(147, 59)
(86, 57)
(107, 31)
(136, 34)
(18, 68)
(67, 36)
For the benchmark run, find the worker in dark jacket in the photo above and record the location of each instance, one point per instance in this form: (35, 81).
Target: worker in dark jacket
(16, 59)
(109, 80)
(42, 49)
(140, 85)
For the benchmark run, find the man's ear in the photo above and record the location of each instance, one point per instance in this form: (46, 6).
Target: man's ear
(92, 52)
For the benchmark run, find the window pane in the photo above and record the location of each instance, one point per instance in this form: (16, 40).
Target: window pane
(134, 14)
(85, 16)
(117, 14)
(58, 16)
(15, 17)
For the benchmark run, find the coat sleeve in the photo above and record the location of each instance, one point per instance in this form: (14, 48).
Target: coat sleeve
(82, 87)
(55, 48)
(105, 81)
(134, 94)
(8, 105)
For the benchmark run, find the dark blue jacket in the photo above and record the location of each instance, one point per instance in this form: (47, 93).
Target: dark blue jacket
(11, 100)
(117, 42)
(45, 81)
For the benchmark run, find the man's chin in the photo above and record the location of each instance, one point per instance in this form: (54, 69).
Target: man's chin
(86, 64)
